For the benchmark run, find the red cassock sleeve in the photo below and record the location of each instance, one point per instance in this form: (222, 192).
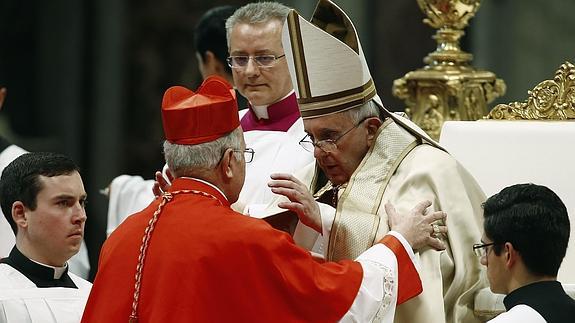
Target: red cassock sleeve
(206, 263)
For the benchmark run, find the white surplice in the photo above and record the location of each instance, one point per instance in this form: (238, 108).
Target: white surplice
(22, 301)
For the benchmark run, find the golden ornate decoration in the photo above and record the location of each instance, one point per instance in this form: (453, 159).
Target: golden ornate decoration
(447, 88)
(549, 100)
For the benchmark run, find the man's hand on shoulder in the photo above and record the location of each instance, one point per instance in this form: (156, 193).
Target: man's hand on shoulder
(418, 229)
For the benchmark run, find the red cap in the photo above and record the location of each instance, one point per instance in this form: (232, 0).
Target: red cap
(193, 118)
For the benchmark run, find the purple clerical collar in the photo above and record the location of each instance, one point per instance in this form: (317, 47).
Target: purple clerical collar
(282, 115)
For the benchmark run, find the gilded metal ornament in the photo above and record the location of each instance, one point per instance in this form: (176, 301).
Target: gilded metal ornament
(549, 100)
(447, 88)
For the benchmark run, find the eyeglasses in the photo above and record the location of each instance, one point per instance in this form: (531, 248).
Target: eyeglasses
(480, 250)
(326, 145)
(241, 61)
(248, 154)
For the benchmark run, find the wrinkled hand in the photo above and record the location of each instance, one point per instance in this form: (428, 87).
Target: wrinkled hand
(417, 228)
(161, 184)
(301, 200)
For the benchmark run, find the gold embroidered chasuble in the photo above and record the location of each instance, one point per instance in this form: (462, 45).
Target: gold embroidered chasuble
(400, 170)
(357, 218)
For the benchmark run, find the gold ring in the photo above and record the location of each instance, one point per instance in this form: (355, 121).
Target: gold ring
(435, 229)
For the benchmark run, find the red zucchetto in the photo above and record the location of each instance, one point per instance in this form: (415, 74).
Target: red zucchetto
(191, 118)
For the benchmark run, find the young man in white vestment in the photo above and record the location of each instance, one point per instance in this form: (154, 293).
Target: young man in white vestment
(43, 198)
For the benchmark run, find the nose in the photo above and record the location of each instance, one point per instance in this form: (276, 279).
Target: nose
(79, 215)
(252, 69)
(318, 152)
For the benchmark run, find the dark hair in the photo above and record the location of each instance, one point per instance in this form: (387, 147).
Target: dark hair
(534, 220)
(20, 179)
(210, 33)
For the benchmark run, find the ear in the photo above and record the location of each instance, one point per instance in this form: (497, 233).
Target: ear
(511, 255)
(19, 214)
(372, 125)
(226, 166)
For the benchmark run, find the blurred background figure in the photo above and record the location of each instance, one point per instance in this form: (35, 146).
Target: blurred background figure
(210, 43)
(8, 152)
(211, 46)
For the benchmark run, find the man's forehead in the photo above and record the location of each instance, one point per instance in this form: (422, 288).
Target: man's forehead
(70, 183)
(333, 122)
(255, 30)
(252, 40)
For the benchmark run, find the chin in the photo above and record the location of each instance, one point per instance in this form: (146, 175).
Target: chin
(495, 290)
(257, 97)
(258, 101)
(75, 249)
(337, 179)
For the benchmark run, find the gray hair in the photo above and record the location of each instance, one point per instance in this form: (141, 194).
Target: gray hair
(186, 160)
(256, 13)
(362, 112)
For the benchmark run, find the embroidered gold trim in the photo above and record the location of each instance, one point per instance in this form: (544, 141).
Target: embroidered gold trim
(298, 54)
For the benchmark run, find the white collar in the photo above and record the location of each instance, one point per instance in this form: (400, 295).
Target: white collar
(261, 111)
(58, 271)
(207, 183)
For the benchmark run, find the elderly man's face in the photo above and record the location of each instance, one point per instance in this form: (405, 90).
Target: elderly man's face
(340, 164)
(260, 85)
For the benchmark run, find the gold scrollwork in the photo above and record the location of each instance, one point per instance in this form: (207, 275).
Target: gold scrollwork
(549, 100)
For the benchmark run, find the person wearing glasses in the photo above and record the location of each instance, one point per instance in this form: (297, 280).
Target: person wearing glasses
(272, 124)
(526, 231)
(368, 156)
(189, 257)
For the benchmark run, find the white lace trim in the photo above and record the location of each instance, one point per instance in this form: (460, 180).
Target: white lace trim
(388, 290)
